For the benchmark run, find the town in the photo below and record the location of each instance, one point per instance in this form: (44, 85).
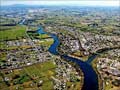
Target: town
(34, 41)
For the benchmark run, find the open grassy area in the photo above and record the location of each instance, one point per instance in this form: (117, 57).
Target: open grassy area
(11, 33)
(43, 36)
(29, 77)
(2, 45)
(14, 32)
(46, 42)
(42, 72)
(38, 36)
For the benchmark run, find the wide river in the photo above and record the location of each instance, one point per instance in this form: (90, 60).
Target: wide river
(90, 76)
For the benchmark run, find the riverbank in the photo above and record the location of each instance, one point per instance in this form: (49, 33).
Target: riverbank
(90, 76)
(100, 79)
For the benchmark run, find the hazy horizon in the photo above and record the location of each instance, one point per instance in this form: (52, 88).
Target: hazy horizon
(67, 2)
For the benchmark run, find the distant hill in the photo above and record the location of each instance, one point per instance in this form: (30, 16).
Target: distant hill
(23, 6)
(18, 5)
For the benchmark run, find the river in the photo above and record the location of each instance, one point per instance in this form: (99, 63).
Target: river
(90, 76)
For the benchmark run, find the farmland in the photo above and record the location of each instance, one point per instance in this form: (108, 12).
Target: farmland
(12, 32)
(33, 77)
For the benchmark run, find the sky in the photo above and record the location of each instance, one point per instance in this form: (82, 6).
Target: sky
(63, 2)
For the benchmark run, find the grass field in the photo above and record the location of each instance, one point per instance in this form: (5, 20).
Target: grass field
(42, 72)
(46, 42)
(14, 32)
(43, 36)
(22, 79)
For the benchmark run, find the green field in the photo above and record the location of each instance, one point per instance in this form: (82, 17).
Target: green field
(42, 72)
(22, 79)
(43, 36)
(38, 36)
(12, 32)
(46, 42)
